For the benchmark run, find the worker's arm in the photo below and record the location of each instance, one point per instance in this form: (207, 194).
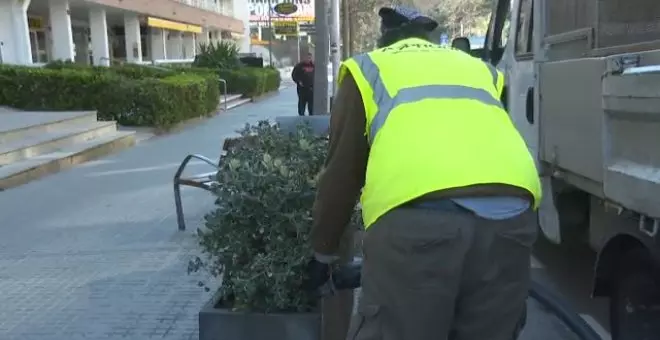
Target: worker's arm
(343, 177)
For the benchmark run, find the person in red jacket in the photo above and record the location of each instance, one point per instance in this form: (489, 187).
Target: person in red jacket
(303, 75)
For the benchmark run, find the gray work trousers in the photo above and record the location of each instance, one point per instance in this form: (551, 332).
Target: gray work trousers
(436, 275)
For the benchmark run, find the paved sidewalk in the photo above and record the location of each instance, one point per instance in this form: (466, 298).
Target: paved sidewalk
(94, 252)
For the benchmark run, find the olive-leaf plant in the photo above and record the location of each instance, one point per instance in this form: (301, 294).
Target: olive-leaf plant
(256, 240)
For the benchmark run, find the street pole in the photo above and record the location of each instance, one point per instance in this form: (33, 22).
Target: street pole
(346, 30)
(335, 43)
(321, 57)
(270, 33)
(335, 310)
(351, 29)
(298, 41)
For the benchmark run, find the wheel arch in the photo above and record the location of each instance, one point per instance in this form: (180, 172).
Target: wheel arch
(607, 261)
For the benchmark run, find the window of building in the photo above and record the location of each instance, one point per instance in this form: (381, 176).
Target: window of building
(38, 40)
(38, 45)
(524, 28)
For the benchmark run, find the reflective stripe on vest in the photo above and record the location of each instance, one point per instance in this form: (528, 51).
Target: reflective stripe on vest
(387, 103)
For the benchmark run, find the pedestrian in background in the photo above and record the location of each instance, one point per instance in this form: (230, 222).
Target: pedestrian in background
(303, 75)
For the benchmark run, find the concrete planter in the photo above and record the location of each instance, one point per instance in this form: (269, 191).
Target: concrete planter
(223, 324)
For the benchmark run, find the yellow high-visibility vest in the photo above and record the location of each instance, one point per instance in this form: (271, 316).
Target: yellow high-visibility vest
(434, 122)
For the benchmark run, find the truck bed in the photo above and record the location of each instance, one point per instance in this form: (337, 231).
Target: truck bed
(600, 126)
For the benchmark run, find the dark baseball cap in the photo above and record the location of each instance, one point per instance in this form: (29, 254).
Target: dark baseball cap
(397, 16)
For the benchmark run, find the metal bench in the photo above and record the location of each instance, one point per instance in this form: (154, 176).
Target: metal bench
(207, 181)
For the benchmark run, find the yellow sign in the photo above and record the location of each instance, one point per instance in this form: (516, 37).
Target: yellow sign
(35, 23)
(285, 8)
(172, 25)
(288, 27)
(259, 42)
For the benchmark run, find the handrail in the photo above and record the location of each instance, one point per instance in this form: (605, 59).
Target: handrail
(108, 59)
(224, 84)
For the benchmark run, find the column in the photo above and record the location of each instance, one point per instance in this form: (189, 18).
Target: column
(132, 38)
(22, 31)
(60, 30)
(99, 31)
(203, 38)
(180, 45)
(158, 39)
(215, 37)
(189, 45)
(172, 42)
(241, 9)
(14, 33)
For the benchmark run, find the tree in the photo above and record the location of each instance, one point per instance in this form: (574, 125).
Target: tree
(459, 17)
(456, 18)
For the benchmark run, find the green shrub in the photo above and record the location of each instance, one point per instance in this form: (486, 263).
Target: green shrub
(251, 81)
(127, 96)
(257, 238)
(63, 89)
(167, 101)
(134, 71)
(213, 85)
(68, 64)
(221, 55)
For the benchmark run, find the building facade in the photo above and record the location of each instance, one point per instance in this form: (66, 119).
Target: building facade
(98, 32)
(267, 42)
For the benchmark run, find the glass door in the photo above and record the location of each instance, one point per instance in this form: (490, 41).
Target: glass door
(39, 46)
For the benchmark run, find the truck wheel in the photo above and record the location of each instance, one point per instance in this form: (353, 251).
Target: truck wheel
(635, 299)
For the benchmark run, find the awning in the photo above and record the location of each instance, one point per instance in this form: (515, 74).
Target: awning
(173, 25)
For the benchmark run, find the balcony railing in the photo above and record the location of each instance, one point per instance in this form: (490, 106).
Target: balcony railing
(218, 6)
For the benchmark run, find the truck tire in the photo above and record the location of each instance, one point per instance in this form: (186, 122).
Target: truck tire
(635, 298)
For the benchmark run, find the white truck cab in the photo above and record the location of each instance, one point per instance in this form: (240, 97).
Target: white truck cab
(583, 89)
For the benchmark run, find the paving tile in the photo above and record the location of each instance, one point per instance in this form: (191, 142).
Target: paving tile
(94, 252)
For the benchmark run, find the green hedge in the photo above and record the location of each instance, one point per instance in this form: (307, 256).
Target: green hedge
(130, 94)
(251, 81)
(132, 71)
(248, 81)
(125, 94)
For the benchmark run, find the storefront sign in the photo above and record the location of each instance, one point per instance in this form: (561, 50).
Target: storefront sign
(259, 10)
(35, 22)
(285, 8)
(172, 25)
(288, 27)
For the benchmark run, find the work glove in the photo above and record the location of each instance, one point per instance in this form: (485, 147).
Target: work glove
(318, 272)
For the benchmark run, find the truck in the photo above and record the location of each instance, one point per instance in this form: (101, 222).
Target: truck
(583, 89)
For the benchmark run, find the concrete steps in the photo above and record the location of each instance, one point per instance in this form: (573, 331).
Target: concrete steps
(36, 144)
(233, 100)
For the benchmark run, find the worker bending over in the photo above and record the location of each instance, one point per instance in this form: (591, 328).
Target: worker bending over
(449, 190)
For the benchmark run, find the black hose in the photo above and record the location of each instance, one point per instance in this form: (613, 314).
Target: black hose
(349, 277)
(557, 307)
